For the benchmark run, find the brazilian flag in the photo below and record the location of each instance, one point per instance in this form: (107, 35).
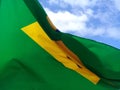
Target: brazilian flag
(35, 55)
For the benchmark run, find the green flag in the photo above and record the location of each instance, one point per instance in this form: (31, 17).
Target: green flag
(34, 55)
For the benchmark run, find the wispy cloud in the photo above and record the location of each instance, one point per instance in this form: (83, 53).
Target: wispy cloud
(87, 18)
(66, 21)
(113, 33)
(117, 4)
(75, 3)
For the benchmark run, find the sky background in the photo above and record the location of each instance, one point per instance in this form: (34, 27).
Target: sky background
(98, 20)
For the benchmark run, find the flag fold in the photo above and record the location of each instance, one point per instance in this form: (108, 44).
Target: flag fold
(35, 55)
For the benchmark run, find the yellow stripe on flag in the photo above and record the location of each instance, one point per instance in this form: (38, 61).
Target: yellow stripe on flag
(35, 32)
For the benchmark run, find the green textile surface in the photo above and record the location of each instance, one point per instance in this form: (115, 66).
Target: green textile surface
(24, 65)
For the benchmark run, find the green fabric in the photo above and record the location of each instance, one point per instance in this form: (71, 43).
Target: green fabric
(24, 65)
(102, 59)
(39, 15)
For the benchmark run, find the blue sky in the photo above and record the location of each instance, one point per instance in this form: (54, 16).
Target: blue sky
(94, 19)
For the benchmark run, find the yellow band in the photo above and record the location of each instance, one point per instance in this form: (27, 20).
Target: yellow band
(59, 51)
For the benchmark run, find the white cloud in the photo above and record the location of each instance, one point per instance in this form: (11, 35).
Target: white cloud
(89, 12)
(77, 23)
(75, 3)
(87, 18)
(113, 33)
(117, 4)
(108, 32)
(53, 1)
(66, 21)
(69, 22)
(80, 3)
